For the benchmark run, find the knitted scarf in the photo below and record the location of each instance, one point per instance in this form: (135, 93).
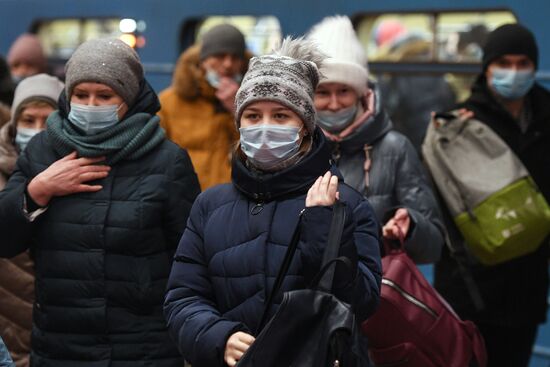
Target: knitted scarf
(129, 139)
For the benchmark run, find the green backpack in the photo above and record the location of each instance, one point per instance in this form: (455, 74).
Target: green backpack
(494, 202)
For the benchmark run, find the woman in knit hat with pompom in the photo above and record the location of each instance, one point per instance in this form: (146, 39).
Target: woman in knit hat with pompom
(101, 199)
(375, 160)
(238, 233)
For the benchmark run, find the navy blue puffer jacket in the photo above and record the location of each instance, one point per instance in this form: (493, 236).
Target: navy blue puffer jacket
(236, 238)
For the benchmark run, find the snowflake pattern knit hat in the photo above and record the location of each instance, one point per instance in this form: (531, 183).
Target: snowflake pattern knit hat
(289, 76)
(347, 62)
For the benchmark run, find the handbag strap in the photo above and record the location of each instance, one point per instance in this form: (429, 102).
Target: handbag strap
(282, 271)
(331, 253)
(333, 246)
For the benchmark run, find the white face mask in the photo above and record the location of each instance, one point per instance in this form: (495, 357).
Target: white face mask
(23, 136)
(268, 145)
(214, 78)
(93, 119)
(335, 122)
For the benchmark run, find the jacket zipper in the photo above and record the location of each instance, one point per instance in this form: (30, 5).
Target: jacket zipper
(409, 297)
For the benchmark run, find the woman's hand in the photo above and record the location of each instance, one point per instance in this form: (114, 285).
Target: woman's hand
(323, 192)
(397, 226)
(67, 176)
(236, 346)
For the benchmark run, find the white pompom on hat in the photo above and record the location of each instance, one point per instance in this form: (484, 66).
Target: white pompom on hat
(347, 62)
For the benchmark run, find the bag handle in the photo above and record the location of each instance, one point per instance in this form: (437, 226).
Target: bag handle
(400, 240)
(330, 254)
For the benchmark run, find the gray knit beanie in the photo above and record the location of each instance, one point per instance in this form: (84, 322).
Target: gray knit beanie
(40, 87)
(221, 39)
(107, 61)
(289, 76)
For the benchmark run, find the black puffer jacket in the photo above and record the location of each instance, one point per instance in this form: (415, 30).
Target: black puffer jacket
(103, 258)
(396, 180)
(514, 292)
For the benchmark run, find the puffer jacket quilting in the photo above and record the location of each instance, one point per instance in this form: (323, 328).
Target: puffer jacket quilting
(102, 259)
(233, 246)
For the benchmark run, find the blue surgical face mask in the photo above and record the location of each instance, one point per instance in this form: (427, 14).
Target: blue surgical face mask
(336, 121)
(510, 83)
(268, 145)
(23, 136)
(214, 78)
(93, 119)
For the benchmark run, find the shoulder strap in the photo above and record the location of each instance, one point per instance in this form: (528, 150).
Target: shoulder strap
(329, 257)
(282, 271)
(333, 245)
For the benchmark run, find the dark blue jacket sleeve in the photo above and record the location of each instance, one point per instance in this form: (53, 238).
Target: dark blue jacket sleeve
(360, 243)
(190, 308)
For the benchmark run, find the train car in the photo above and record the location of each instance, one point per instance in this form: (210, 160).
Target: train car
(160, 30)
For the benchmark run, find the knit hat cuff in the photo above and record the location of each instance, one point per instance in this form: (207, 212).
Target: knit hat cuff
(295, 98)
(349, 73)
(127, 94)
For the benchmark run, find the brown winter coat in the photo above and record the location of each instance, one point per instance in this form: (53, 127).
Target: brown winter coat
(195, 120)
(16, 274)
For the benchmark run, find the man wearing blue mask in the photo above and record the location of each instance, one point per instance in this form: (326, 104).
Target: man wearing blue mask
(197, 110)
(507, 99)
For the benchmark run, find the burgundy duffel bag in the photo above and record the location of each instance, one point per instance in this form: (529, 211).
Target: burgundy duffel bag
(414, 326)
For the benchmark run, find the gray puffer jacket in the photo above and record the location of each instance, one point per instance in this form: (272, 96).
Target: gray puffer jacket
(396, 180)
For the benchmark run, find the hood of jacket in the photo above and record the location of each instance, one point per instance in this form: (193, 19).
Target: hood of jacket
(294, 180)
(189, 81)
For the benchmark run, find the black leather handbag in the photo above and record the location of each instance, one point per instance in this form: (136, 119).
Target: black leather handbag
(311, 328)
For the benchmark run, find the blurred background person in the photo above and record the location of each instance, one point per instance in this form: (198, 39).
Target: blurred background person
(197, 110)
(35, 98)
(374, 159)
(409, 99)
(507, 99)
(7, 88)
(101, 198)
(26, 57)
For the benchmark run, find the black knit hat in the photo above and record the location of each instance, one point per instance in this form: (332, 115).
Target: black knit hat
(510, 39)
(223, 38)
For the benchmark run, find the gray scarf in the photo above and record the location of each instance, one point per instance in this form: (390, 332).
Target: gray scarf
(130, 139)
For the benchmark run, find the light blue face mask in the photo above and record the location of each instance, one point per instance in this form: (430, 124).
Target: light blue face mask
(512, 84)
(335, 122)
(213, 78)
(268, 145)
(93, 119)
(23, 136)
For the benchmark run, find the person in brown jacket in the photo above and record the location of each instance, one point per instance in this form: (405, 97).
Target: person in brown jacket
(197, 110)
(35, 98)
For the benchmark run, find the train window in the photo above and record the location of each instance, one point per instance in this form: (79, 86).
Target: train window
(262, 33)
(428, 37)
(60, 37)
(460, 36)
(397, 37)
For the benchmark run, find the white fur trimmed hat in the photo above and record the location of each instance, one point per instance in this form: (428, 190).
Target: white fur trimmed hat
(347, 61)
